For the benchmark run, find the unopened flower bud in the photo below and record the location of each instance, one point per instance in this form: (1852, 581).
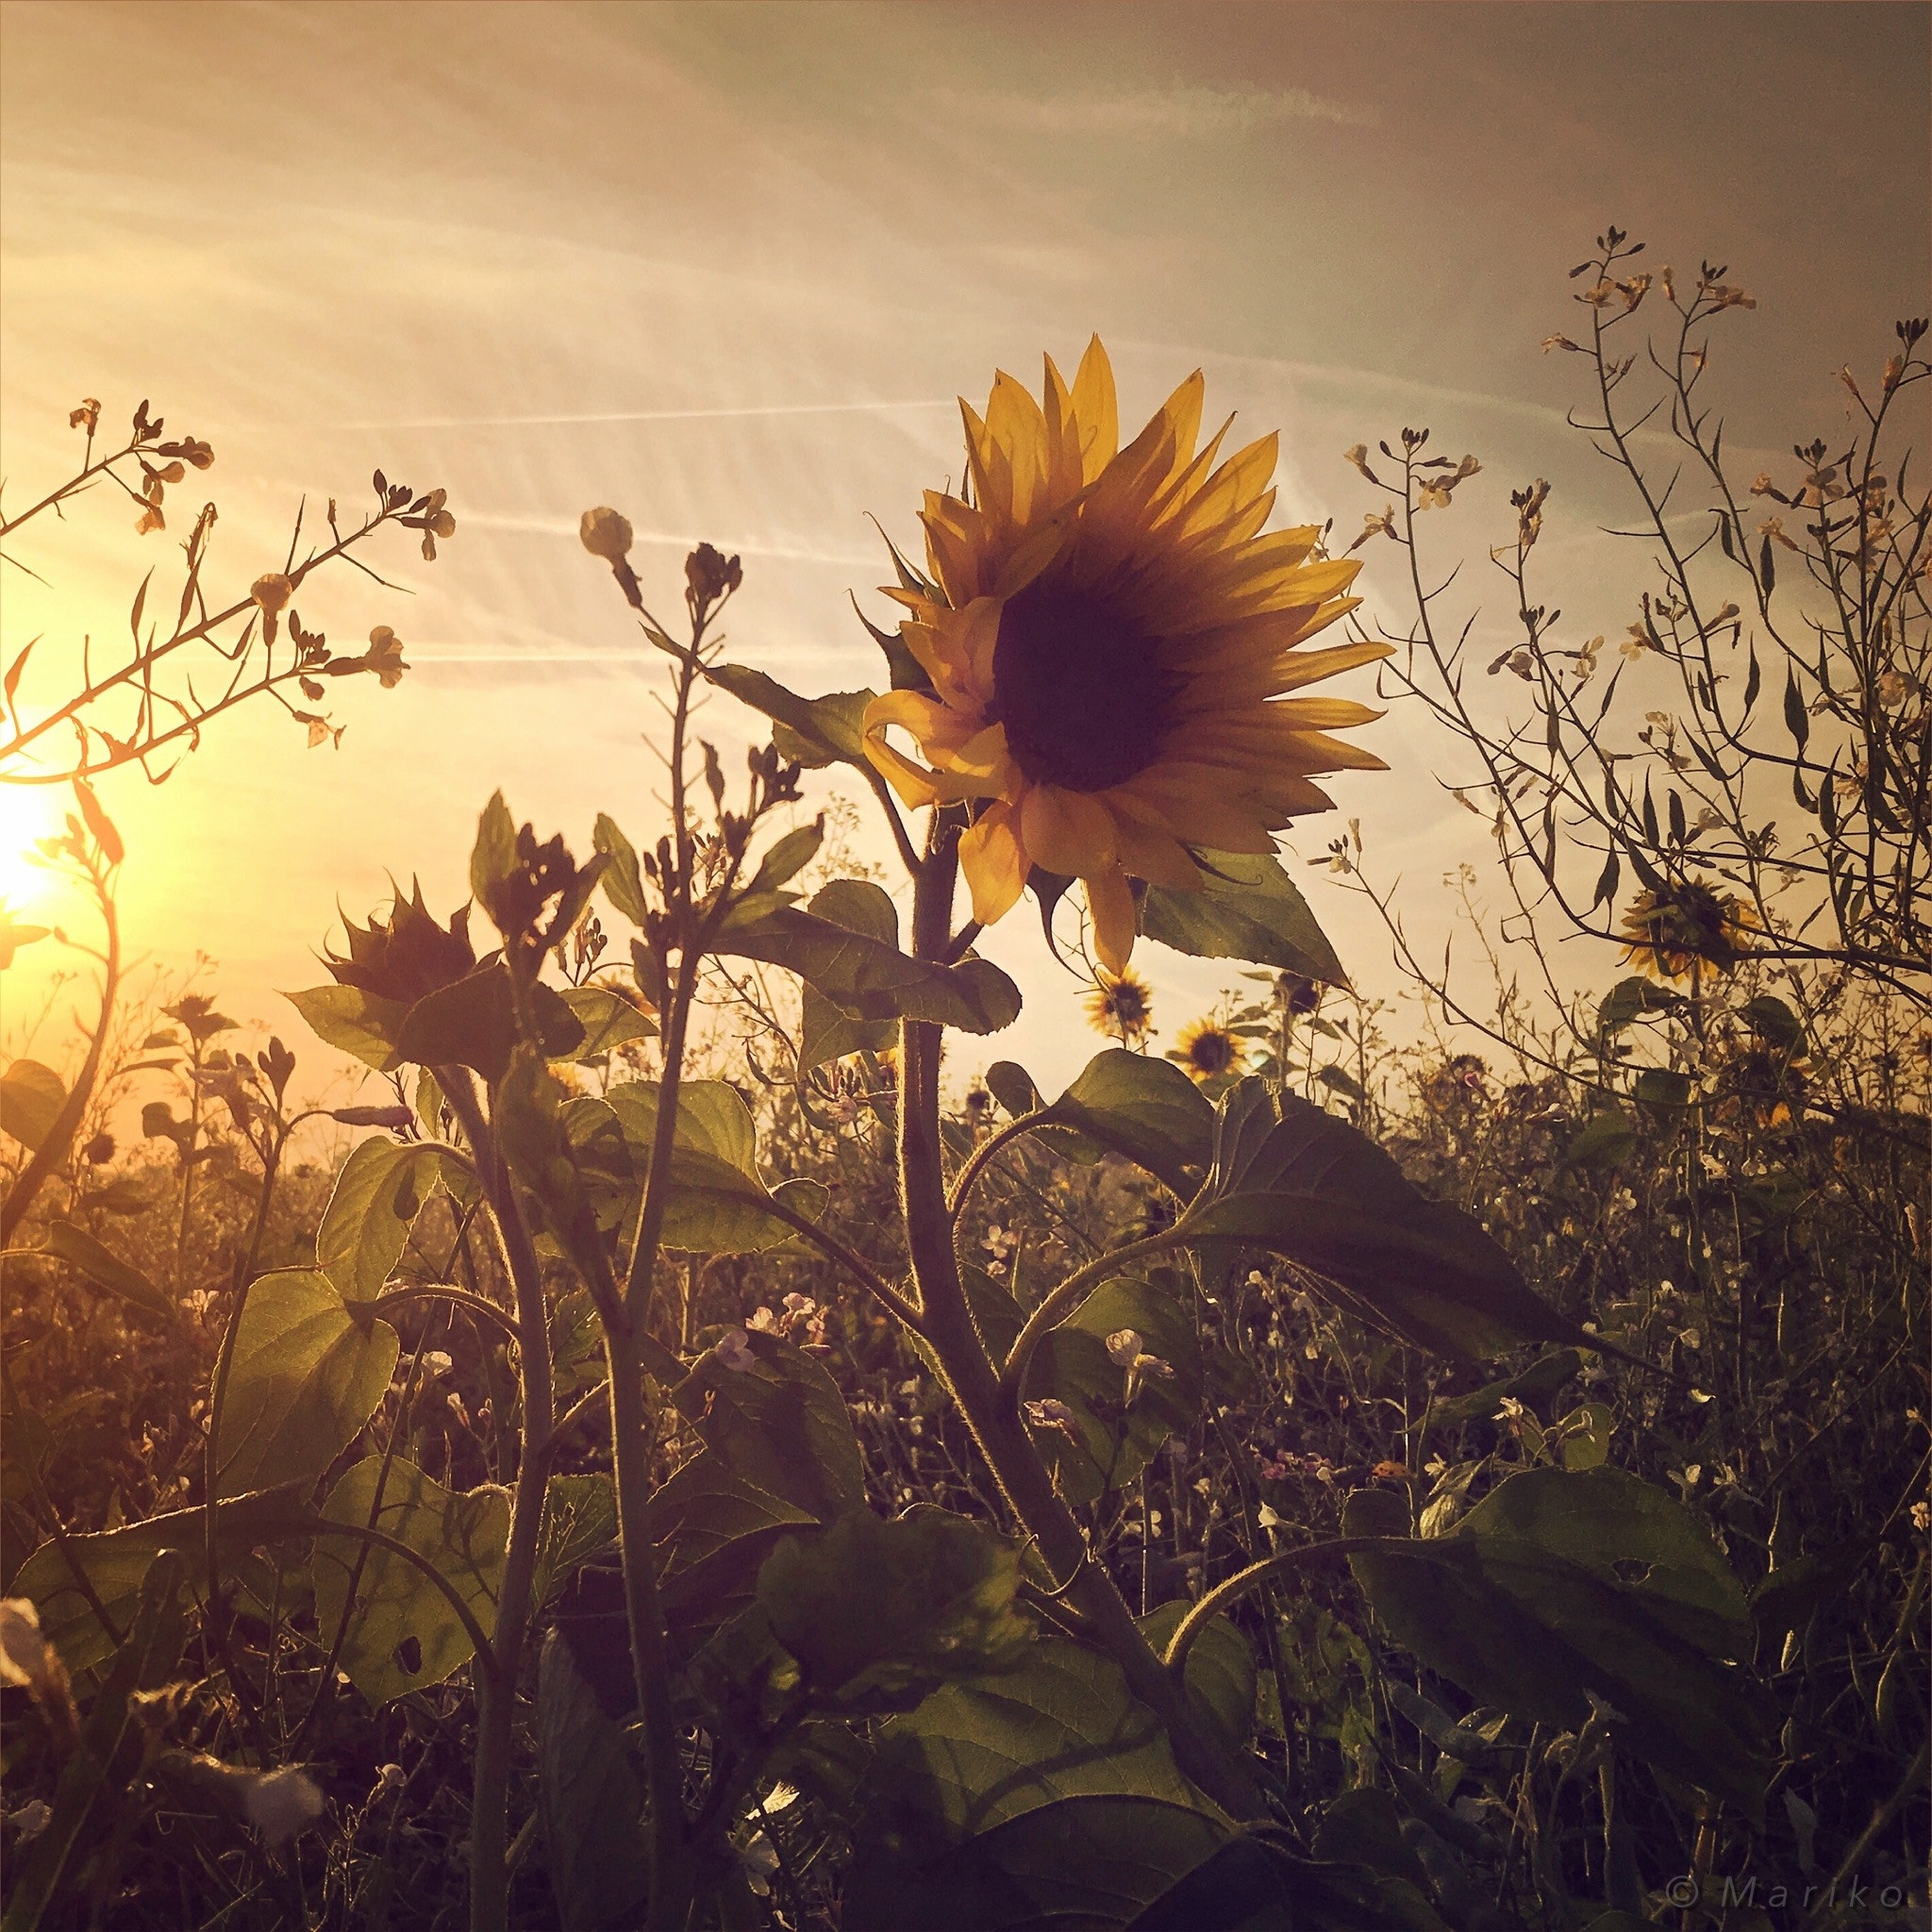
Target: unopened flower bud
(606, 534)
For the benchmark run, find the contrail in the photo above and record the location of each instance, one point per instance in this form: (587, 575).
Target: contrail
(659, 415)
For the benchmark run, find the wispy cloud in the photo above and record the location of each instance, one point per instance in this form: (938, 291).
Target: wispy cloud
(1173, 110)
(661, 415)
(677, 539)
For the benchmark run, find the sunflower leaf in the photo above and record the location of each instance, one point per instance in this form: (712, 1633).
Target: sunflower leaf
(1248, 908)
(810, 731)
(868, 977)
(1306, 1185)
(1148, 1110)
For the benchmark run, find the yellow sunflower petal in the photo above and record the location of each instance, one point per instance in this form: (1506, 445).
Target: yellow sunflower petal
(995, 862)
(1018, 428)
(1110, 904)
(1068, 832)
(1099, 416)
(1152, 853)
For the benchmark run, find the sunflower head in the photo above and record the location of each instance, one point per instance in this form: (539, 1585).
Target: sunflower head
(1111, 641)
(1684, 926)
(1207, 1051)
(1121, 1004)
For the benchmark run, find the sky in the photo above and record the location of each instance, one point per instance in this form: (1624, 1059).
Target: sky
(728, 268)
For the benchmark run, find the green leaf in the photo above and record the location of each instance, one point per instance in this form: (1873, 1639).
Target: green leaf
(144, 1663)
(1311, 1188)
(1248, 908)
(361, 1024)
(366, 1225)
(1118, 1439)
(80, 1250)
(982, 1750)
(1084, 1864)
(31, 1097)
(622, 883)
(115, 1562)
(473, 1023)
(307, 1372)
(1013, 1087)
(1534, 1385)
(1663, 1087)
(812, 731)
(1564, 1584)
(402, 1633)
(867, 978)
(1148, 1110)
(1629, 1000)
(879, 1613)
(1220, 1669)
(1606, 1139)
(788, 857)
(715, 1527)
(781, 1424)
(827, 1032)
(1775, 1023)
(579, 1520)
(608, 1020)
(716, 1195)
(592, 1802)
(493, 856)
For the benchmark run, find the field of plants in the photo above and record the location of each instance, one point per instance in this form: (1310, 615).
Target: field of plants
(693, 1463)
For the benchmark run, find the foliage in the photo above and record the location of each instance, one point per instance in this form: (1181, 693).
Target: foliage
(710, 1480)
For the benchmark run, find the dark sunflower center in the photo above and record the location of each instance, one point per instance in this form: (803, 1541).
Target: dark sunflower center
(1082, 694)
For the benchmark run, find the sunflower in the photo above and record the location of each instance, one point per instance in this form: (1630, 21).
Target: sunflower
(1121, 1004)
(1110, 640)
(1676, 930)
(1206, 1050)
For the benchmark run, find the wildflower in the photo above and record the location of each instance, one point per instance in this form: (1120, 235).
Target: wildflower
(1921, 1516)
(1511, 1411)
(709, 575)
(1893, 688)
(733, 1349)
(279, 1803)
(33, 1817)
(1378, 523)
(1357, 456)
(27, 1659)
(1561, 342)
(1124, 1346)
(762, 1322)
(87, 417)
(1051, 1414)
(270, 594)
(438, 1361)
(1111, 643)
(391, 1777)
(1773, 528)
(604, 533)
(1267, 1518)
(1680, 927)
(1001, 1243)
(1122, 1006)
(1206, 1050)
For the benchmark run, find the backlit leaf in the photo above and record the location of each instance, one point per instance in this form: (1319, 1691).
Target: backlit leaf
(307, 1374)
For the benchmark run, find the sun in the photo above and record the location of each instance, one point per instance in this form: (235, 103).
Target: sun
(28, 813)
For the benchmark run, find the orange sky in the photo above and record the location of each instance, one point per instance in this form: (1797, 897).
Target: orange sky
(727, 267)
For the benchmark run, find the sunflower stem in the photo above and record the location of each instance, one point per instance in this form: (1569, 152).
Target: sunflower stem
(992, 1410)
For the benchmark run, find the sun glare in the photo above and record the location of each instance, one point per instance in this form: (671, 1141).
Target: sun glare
(28, 813)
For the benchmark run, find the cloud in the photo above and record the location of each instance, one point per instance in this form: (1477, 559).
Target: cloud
(659, 415)
(1174, 111)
